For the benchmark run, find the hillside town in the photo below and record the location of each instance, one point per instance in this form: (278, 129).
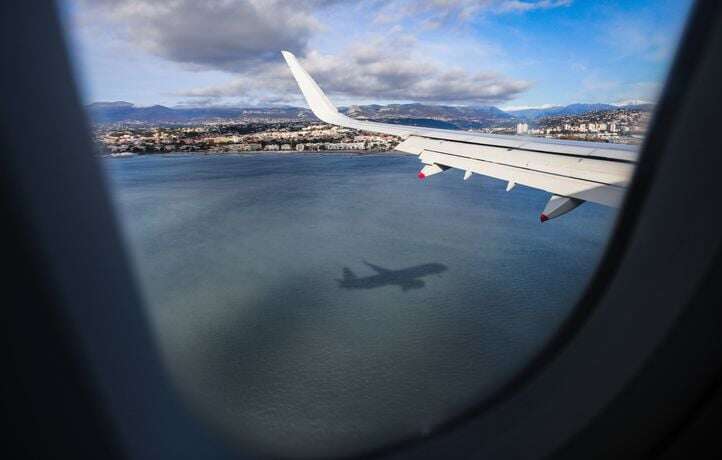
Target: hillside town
(305, 134)
(225, 138)
(622, 126)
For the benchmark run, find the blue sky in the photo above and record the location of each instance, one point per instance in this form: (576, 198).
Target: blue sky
(508, 53)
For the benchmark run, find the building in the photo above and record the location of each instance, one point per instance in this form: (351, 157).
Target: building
(522, 128)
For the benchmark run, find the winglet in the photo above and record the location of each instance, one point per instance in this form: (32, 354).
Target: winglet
(316, 99)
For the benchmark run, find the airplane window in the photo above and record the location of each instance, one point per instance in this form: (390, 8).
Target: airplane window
(352, 242)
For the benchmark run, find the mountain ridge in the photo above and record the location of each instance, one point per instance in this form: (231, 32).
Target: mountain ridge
(463, 117)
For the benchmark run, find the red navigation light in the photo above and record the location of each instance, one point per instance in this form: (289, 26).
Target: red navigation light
(543, 218)
(421, 175)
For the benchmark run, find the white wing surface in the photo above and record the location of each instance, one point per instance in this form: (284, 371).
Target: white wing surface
(572, 171)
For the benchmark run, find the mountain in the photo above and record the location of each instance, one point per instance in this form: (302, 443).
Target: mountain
(533, 113)
(125, 112)
(109, 105)
(434, 116)
(418, 114)
(644, 106)
(109, 112)
(422, 122)
(437, 116)
(423, 111)
(572, 109)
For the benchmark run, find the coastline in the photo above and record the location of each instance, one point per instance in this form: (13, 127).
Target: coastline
(254, 153)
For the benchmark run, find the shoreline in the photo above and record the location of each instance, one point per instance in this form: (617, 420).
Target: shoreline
(255, 152)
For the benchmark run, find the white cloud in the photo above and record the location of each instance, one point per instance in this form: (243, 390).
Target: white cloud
(596, 88)
(642, 92)
(374, 71)
(213, 34)
(433, 13)
(631, 37)
(244, 37)
(524, 6)
(596, 84)
(512, 108)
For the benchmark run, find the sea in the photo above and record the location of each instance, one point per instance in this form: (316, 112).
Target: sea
(241, 260)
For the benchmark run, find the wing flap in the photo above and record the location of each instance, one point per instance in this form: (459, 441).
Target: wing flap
(606, 194)
(589, 169)
(582, 167)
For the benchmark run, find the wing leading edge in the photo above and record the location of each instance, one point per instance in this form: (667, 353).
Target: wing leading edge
(572, 171)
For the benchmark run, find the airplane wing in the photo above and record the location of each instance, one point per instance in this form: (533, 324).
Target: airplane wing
(572, 171)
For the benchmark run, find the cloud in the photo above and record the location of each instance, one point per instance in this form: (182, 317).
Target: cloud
(633, 37)
(229, 34)
(595, 84)
(597, 88)
(244, 37)
(578, 66)
(524, 6)
(373, 71)
(511, 108)
(639, 92)
(214, 34)
(433, 13)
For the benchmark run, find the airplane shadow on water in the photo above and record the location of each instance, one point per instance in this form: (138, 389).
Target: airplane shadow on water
(405, 278)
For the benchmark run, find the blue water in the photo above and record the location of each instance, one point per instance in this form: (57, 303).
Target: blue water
(239, 257)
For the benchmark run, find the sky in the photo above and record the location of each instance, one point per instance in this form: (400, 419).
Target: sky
(508, 53)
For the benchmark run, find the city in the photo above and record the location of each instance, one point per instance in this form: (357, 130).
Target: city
(300, 133)
(233, 137)
(623, 126)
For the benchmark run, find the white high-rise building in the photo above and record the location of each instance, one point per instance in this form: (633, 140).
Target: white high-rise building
(522, 128)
